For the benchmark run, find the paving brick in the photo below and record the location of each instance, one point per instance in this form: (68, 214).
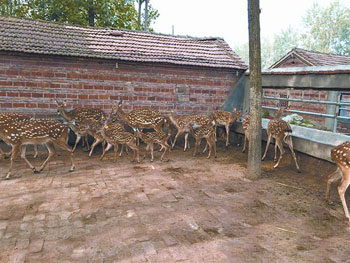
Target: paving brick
(36, 245)
(148, 247)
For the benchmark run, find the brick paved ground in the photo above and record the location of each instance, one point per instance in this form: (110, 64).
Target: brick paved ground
(187, 210)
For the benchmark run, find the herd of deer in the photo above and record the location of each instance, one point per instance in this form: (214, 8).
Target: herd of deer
(19, 130)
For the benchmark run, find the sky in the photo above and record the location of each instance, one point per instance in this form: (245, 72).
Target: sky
(228, 18)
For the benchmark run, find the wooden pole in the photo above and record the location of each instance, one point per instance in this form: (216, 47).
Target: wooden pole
(254, 155)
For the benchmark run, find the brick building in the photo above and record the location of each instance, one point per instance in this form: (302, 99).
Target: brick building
(311, 61)
(96, 67)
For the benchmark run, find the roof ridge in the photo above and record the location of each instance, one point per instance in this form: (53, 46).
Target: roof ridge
(209, 38)
(319, 52)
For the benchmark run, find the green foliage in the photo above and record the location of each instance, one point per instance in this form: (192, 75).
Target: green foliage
(327, 29)
(265, 114)
(101, 13)
(324, 29)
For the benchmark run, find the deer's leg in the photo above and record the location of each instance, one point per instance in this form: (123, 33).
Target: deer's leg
(244, 143)
(52, 152)
(35, 151)
(76, 141)
(196, 146)
(6, 155)
(341, 191)
(14, 153)
(23, 149)
(87, 141)
(214, 144)
(109, 146)
(121, 151)
(227, 127)
(206, 147)
(290, 145)
(134, 147)
(166, 149)
(335, 176)
(96, 142)
(152, 148)
(209, 142)
(62, 143)
(187, 145)
(215, 132)
(279, 143)
(267, 147)
(116, 151)
(176, 136)
(275, 157)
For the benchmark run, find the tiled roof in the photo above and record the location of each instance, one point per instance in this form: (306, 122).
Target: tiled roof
(313, 58)
(40, 37)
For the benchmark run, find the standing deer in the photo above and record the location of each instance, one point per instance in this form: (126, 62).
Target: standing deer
(150, 138)
(245, 124)
(206, 131)
(341, 156)
(115, 135)
(6, 118)
(225, 118)
(184, 123)
(48, 132)
(83, 116)
(281, 131)
(141, 118)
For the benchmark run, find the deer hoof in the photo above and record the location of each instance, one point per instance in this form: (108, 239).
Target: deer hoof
(36, 171)
(6, 157)
(8, 176)
(299, 172)
(71, 169)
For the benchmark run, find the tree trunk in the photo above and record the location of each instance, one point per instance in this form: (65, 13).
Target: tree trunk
(139, 13)
(146, 15)
(254, 155)
(91, 13)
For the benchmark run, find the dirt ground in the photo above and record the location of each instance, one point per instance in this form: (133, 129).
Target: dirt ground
(189, 209)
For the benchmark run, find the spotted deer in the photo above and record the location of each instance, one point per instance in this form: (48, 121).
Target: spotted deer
(281, 131)
(151, 138)
(141, 118)
(114, 136)
(183, 125)
(206, 131)
(245, 125)
(7, 118)
(341, 156)
(83, 116)
(48, 132)
(225, 118)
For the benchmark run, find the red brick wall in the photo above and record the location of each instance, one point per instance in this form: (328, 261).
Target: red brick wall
(29, 83)
(297, 94)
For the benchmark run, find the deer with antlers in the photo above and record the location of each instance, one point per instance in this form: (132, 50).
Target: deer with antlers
(281, 131)
(225, 118)
(79, 119)
(48, 132)
(341, 156)
(5, 119)
(151, 138)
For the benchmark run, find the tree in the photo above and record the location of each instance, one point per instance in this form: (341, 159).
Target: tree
(104, 13)
(327, 29)
(254, 155)
(146, 18)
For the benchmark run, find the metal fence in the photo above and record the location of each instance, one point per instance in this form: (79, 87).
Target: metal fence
(339, 106)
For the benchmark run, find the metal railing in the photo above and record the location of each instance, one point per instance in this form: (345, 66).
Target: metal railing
(339, 106)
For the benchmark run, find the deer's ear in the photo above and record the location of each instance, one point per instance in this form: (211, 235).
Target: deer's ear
(120, 103)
